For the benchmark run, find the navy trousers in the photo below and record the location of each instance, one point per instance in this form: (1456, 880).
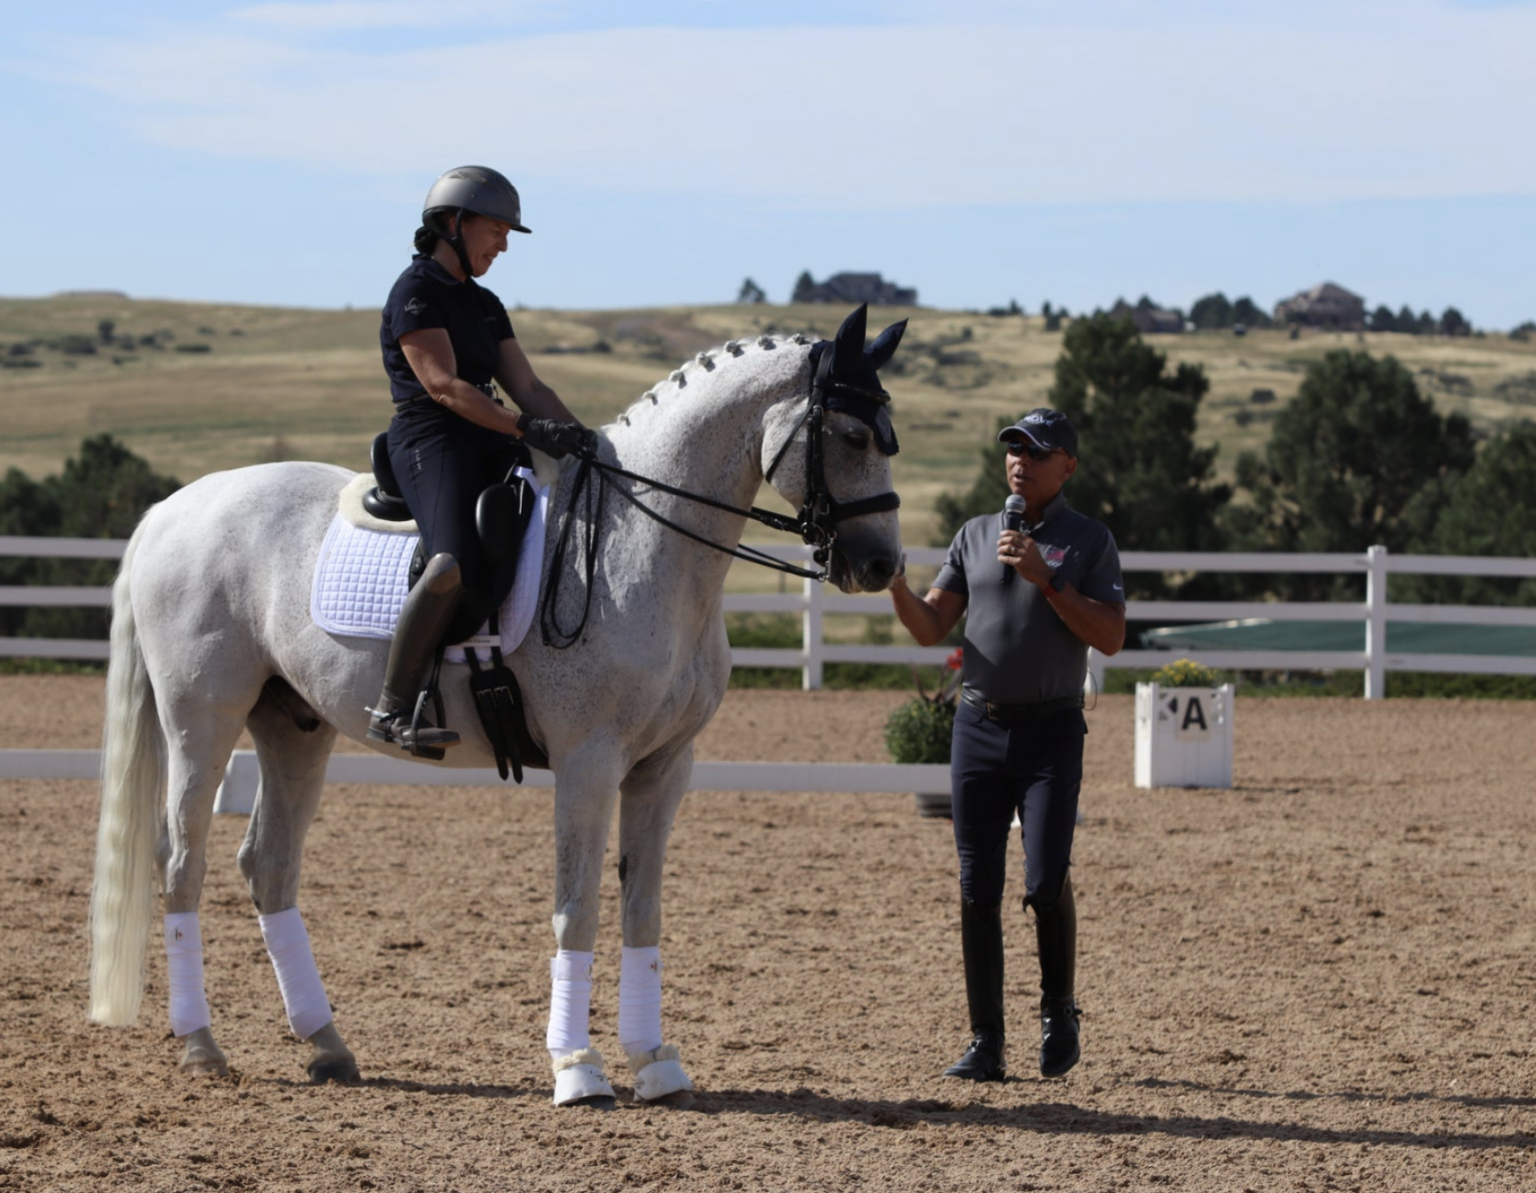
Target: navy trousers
(1033, 768)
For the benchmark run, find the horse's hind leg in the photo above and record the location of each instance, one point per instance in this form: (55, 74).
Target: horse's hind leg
(200, 734)
(651, 795)
(291, 749)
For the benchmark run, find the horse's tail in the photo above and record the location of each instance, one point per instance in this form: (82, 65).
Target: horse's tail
(132, 780)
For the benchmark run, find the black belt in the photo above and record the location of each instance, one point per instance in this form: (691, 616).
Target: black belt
(1012, 714)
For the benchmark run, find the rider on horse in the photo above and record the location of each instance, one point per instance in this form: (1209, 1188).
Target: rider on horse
(447, 341)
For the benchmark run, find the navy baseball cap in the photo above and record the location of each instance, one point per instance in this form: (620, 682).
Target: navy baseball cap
(1050, 429)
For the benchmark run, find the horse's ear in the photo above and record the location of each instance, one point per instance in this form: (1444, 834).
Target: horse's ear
(850, 336)
(885, 343)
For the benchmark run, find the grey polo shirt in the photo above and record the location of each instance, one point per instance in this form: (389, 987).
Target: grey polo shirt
(1017, 650)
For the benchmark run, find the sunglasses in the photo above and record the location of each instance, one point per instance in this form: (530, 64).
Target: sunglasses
(1034, 451)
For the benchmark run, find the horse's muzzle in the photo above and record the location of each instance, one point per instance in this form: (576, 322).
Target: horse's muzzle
(870, 574)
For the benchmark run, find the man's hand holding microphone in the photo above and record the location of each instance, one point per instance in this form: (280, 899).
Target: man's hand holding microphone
(1017, 551)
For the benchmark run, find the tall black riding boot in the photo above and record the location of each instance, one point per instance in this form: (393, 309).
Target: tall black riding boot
(1056, 934)
(981, 943)
(424, 617)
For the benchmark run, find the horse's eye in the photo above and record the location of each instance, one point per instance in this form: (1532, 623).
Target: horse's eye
(858, 440)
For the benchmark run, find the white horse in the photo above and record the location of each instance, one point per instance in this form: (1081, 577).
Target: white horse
(211, 634)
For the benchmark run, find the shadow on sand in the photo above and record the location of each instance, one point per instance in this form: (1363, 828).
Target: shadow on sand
(1065, 1118)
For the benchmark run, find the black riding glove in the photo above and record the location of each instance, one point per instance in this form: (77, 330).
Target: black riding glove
(555, 438)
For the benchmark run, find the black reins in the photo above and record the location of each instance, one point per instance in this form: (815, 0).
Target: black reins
(816, 524)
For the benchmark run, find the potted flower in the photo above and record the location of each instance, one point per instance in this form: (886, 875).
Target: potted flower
(1184, 728)
(1185, 673)
(919, 731)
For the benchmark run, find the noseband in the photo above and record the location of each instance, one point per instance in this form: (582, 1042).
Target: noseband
(818, 516)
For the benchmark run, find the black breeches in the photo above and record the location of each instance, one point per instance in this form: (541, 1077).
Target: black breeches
(1034, 769)
(442, 467)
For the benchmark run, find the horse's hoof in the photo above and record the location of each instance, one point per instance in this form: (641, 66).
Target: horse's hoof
(660, 1079)
(599, 1102)
(680, 1100)
(330, 1059)
(579, 1080)
(663, 1081)
(202, 1057)
(340, 1069)
(207, 1067)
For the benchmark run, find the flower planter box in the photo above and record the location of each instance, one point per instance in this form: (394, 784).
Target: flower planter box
(1183, 736)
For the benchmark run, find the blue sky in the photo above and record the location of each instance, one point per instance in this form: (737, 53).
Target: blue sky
(981, 151)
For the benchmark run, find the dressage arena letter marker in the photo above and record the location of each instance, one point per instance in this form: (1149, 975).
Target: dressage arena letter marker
(1193, 724)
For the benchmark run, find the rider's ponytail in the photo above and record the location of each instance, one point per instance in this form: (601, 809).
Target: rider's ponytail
(426, 240)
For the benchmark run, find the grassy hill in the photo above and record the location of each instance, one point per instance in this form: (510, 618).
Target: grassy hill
(199, 387)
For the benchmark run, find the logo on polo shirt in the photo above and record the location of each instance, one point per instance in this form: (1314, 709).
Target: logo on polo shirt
(1054, 556)
(415, 307)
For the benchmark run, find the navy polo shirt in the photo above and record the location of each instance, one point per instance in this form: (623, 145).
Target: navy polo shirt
(1017, 650)
(426, 295)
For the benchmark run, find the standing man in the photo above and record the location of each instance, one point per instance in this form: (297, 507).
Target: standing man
(1018, 738)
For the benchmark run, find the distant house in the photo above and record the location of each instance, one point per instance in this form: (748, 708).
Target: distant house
(1325, 305)
(856, 288)
(1149, 320)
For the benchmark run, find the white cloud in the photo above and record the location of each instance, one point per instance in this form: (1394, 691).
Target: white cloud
(353, 15)
(1412, 99)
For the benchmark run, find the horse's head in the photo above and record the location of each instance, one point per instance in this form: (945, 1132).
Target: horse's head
(829, 455)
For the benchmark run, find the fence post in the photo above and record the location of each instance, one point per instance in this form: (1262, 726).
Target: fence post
(810, 642)
(1375, 623)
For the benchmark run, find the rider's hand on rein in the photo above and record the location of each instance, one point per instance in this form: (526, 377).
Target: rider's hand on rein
(557, 439)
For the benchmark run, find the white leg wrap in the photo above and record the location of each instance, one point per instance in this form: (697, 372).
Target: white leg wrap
(303, 996)
(570, 1003)
(184, 965)
(640, 1000)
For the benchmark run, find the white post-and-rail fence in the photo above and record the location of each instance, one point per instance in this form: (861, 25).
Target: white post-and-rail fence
(241, 778)
(815, 601)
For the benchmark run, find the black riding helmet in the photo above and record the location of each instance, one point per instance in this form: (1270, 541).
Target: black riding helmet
(478, 189)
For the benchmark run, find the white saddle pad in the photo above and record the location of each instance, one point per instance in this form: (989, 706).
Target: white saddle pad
(360, 581)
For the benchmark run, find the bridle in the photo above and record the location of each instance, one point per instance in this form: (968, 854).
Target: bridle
(821, 512)
(816, 522)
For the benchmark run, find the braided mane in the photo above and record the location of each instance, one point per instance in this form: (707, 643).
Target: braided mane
(677, 381)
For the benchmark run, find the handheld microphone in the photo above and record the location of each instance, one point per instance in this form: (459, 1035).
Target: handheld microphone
(1013, 519)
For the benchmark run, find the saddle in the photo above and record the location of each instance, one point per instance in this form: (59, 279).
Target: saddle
(502, 512)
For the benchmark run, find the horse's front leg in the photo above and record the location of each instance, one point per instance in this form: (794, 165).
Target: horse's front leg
(651, 795)
(292, 759)
(586, 787)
